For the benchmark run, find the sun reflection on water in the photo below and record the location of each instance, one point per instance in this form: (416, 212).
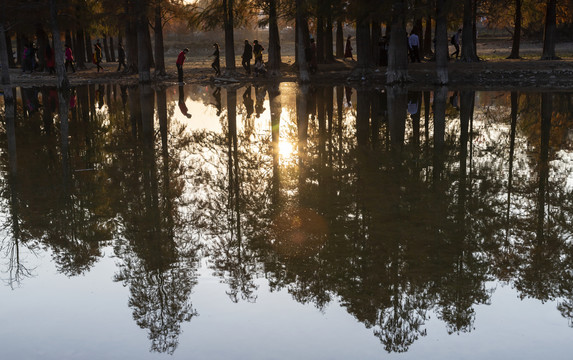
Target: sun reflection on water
(286, 149)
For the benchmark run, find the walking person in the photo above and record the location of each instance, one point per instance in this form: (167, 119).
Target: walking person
(27, 58)
(179, 64)
(456, 42)
(348, 49)
(216, 65)
(258, 53)
(69, 58)
(414, 45)
(121, 57)
(97, 56)
(247, 56)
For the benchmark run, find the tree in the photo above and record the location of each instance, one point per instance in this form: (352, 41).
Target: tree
(441, 43)
(4, 62)
(302, 37)
(363, 46)
(270, 7)
(468, 43)
(158, 31)
(549, 35)
(516, 31)
(63, 82)
(144, 64)
(228, 25)
(398, 50)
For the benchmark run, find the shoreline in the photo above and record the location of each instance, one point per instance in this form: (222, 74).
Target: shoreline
(487, 74)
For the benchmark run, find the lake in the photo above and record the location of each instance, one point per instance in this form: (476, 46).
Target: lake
(277, 221)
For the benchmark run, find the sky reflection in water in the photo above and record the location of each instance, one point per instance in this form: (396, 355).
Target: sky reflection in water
(283, 222)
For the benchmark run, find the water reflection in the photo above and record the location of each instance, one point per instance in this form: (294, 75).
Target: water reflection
(397, 204)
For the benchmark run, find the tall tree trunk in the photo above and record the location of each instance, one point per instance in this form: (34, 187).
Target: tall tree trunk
(42, 41)
(4, 63)
(468, 48)
(474, 25)
(143, 53)
(302, 39)
(375, 39)
(111, 49)
(516, 32)
(549, 35)
(229, 36)
(80, 56)
(131, 43)
(88, 49)
(159, 50)
(21, 40)
(363, 49)
(328, 41)
(10, 51)
(418, 28)
(428, 37)
(397, 70)
(274, 41)
(320, 36)
(63, 82)
(148, 44)
(339, 40)
(441, 44)
(106, 49)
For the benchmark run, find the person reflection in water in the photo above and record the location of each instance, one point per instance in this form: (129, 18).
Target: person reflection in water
(454, 100)
(260, 92)
(413, 105)
(248, 101)
(217, 96)
(73, 99)
(181, 103)
(348, 91)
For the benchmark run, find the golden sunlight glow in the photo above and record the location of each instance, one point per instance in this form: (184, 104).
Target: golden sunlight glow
(286, 149)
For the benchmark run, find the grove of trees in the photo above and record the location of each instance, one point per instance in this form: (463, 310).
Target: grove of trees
(79, 22)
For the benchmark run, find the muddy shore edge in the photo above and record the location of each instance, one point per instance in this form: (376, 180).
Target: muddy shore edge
(526, 74)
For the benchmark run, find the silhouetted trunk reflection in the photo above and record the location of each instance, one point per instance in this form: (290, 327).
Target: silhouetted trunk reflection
(546, 113)
(397, 110)
(234, 193)
(302, 126)
(16, 269)
(440, 97)
(362, 117)
(466, 111)
(514, 111)
(275, 104)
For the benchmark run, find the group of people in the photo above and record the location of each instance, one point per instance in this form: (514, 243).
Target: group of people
(29, 58)
(413, 47)
(249, 51)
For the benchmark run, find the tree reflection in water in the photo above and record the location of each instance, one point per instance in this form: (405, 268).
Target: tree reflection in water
(396, 204)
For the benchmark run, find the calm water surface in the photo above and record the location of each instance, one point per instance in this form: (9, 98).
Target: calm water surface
(278, 222)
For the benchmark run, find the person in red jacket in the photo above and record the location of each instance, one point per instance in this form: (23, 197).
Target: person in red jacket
(179, 63)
